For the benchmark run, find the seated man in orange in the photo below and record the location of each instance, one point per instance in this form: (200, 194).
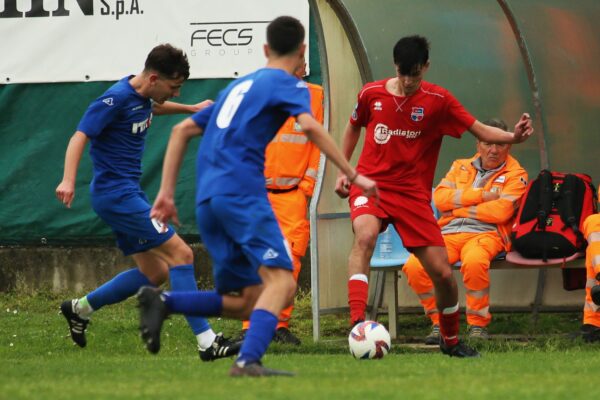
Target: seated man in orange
(477, 200)
(590, 331)
(291, 166)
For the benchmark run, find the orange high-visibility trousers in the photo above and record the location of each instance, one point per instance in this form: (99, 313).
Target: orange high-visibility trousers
(475, 251)
(291, 213)
(591, 231)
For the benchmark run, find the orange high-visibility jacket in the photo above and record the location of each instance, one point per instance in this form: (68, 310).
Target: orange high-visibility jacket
(291, 159)
(455, 196)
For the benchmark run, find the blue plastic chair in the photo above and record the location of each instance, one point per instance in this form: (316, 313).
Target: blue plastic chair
(388, 257)
(389, 250)
(436, 212)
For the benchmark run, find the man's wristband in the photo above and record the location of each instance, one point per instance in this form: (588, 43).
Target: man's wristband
(351, 180)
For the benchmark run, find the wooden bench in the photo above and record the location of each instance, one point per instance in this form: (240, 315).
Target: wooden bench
(390, 256)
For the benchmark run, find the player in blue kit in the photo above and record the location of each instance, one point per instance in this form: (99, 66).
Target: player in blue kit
(251, 260)
(116, 124)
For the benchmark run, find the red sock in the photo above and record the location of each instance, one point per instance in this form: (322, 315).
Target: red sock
(449, 328)
(358, 291)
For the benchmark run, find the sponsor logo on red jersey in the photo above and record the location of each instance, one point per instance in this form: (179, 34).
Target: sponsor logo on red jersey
(383, 134)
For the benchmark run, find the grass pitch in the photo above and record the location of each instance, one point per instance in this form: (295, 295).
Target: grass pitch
(39, 361)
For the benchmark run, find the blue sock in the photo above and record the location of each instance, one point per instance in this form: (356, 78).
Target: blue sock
(119, 288)
(259, 336)
(183, 279)
(206, 304)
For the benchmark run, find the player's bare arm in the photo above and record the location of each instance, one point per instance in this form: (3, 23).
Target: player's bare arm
(490, 134)
(319, 136)
(164, 206)
(171, 107)
(349, 141)
(65, 191)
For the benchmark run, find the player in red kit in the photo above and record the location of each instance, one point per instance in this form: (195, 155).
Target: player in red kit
(406, 119)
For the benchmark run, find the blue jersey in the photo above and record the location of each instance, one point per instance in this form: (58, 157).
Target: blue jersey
(239, 126)
(116, 124)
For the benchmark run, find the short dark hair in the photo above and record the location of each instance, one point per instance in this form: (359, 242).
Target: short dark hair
(496, 123)
(284, 35)
(170, 62)
(410, 53)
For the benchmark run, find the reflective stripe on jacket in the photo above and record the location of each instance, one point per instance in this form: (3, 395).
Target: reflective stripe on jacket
(291, 159)
(455, 196)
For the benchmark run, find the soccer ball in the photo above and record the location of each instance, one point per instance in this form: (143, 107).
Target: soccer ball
(369, 339)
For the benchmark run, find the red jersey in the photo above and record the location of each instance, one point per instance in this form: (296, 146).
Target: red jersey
(404, 134)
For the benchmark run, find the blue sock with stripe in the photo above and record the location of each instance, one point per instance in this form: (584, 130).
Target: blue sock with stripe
(259, 336)
(119, 288)
(182, 278)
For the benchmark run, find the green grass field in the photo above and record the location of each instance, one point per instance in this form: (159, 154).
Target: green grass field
(40, 362)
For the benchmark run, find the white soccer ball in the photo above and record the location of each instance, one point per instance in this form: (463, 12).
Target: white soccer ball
(369, 339)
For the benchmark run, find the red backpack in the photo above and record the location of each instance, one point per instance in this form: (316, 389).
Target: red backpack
(550, 220)
(551, 216)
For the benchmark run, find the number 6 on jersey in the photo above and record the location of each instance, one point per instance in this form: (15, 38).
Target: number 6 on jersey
(232, 102)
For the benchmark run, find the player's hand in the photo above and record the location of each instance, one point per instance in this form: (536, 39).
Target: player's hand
(489, 196)
(65, 192)
(523, 129)
(368, 186)
(164, 209)
(201, 106)
(342, 186)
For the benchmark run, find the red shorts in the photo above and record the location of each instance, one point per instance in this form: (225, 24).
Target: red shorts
(411, 216)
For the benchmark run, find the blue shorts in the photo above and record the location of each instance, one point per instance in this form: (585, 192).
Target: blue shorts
(128, 214)
(241, 234)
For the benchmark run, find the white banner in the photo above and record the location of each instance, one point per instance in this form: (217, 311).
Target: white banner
(104, 40)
